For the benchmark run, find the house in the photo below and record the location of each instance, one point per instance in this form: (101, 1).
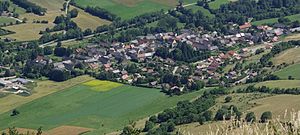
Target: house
(245, 26)
(21, 81)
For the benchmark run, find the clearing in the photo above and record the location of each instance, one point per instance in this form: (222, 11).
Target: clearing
(292, 70)
(84, 107)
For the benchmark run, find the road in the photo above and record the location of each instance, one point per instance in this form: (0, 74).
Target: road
(53, 43)
(67, 5)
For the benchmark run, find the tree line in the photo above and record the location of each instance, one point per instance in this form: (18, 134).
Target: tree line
(30, 7)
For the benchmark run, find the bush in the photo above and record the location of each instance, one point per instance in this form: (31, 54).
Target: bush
(266, 116)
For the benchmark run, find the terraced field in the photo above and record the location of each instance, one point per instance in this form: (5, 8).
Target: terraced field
(82, 106)
(293, 71)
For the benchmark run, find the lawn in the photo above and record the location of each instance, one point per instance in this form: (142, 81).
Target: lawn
(289, 56)
(127, 9)
(84, 107)
(275, 20)
(280, 84)
(292, 70)
(43, 88)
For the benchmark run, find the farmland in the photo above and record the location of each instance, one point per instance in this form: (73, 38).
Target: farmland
(6, 20)
(217, 3)
(131, 8)
(42, 89)
(84, 107)
(293, 70)
(289, 56)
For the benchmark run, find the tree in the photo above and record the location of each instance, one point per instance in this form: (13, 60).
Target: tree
(250, 117)
(73, 13)
(266, 116)
(201, 120)
(59, 75)
(14, 112)
(148, 126)
(168, 23)
(131, 130)
(228, 99)
(208, 115)
(48, 50)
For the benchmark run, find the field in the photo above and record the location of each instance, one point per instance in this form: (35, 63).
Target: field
(289, 56)
(27, 31)
(280, 84)
(130, 8)
(293, 70)
(203, 10)
(98, 85)
(275, 20)
(217, 3)
(292, 37)
(82, 106)
(277, 104)
(85, 20)
(43, 88)
(6, 20)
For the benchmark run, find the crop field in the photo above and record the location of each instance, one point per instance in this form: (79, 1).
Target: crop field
(43, 88)
(130, 8)
(82, 106)
(295, 17)
(51, 5)
(292, 70)
(280, 84)
(99, 85)
(289, 56)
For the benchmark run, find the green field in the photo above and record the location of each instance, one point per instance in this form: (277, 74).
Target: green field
(203, 10)
(293, 70)
(6, 20)
(84, 107)
(217, 3)
(275, 20)
(280, 84)
(130, 8)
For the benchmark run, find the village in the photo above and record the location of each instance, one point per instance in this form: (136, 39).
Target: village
(136, 62)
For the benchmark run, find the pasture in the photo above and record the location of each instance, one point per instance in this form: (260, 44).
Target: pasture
(203, 10)
(127, 9)
(82, 106)
(85, 20)
(277, 104)
(295, 17)
(26, 31)
(289, 56)
(292, 70)
(280, 84)
(43, 88)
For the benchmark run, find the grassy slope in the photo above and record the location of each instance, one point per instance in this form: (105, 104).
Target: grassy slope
(80, 106)
(288, 56)
(217, 3)
(43, 88)
(293, 70)
(280, 84)
(203, 10)
(275, 20)
(131, 8)
(6, 20)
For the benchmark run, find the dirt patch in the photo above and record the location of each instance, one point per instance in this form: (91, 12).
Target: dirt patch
(68, 130)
